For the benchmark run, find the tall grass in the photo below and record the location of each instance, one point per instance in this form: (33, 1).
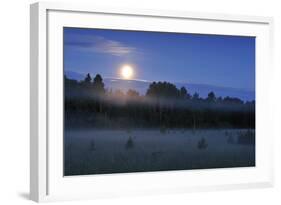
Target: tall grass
(202, 144)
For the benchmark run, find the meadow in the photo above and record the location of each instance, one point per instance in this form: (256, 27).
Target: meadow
(103, 151)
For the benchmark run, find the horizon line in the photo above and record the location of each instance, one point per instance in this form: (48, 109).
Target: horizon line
(148, 81)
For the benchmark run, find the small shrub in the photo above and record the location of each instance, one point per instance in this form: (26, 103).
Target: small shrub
(246, 138)
(92, 145)
(202, 144)
(129, 143)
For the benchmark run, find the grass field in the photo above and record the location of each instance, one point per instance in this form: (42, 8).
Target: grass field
(122, 151)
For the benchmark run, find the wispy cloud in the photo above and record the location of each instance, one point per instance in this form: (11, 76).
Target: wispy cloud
(99, 44)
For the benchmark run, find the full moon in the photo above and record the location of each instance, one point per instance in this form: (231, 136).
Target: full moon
(127, 71)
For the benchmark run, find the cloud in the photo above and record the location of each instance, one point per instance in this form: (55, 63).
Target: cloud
(98, 44)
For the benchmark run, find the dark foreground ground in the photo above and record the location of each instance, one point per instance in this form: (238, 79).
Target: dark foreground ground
(123, 151)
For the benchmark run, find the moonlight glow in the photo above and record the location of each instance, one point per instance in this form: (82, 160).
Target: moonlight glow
(127, 72)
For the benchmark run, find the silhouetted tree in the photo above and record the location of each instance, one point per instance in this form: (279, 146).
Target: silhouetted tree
(88, 79)
(132, 93)
(195, 96)
(230, 100)
(70, 82)
(183, 92)
(211, 97)
(219, 100)
(162, 90)
(170, 109)
(98, 85)
(119, 93)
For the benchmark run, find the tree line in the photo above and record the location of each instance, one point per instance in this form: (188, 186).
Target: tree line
(88, 103)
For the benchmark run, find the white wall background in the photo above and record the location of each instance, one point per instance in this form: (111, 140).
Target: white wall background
(14, 101)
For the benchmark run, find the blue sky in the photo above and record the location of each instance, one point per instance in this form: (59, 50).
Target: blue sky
(227, 61)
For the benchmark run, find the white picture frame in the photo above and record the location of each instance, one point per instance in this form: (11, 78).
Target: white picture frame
(47, 182)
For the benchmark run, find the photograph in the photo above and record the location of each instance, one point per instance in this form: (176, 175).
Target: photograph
(146, 101)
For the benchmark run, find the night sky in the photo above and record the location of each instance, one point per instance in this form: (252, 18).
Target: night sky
(227, 61)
